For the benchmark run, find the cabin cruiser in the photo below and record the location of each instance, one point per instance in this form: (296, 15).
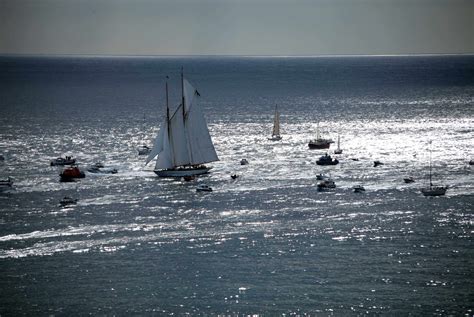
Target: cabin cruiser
(101, 169)
(203, 188)
(358, 189)
(71, 173)
(61, 161)
(327, 160)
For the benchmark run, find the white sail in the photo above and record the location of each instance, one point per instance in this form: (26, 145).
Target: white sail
(276, 123)
(183, 138)
(158, 143)
(199, 140)
(178, 139)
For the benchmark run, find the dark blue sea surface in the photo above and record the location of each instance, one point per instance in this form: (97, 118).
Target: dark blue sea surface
(268, 243)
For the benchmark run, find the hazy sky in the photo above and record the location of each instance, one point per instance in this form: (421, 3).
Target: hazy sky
(236, 27)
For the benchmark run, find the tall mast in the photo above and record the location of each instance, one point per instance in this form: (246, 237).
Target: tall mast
(431, 184)
(182, 91)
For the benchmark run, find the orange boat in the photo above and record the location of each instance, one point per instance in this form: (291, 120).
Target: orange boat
(70, 173)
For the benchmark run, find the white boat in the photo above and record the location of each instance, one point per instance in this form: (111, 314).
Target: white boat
(276, 126)
(183, 143)
(319, 143)
(203, 188)
(433, 190)
(338, 150)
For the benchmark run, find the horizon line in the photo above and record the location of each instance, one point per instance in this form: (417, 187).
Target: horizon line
(225, 55)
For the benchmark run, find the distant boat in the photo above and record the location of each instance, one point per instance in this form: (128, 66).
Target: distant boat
(6, 184)
(327, 160)
(244, 162)
(276, 126)
(319, 143)
(377, 163)
(358, 189)
(143, 150)
(66, 201)
(433, 190)
(338, 150)
(183, 143)
(203, 188)
(326, 183)
(71, 173)
(409, 179)
(60, 161)
(234, 176)
(99, 168)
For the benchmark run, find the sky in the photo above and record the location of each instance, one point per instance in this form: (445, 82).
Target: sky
(236, 27)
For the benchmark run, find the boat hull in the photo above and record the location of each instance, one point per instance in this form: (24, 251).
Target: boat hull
(440, 191)
(182, 172)
(322, 146)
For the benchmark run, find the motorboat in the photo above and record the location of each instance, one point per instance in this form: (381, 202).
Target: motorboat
(358, 189)
(319, 143)
(408, 179)
(203, 188)
(71, 173)
(143, 150)
(321, 177)
(471, 162)
(99, 168)
(244, 162)
(67, 201)
(61, 161)
(325, 184)
(234, 176)
(327, 160)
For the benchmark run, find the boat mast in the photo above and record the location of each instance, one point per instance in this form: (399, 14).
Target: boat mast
(167, 107)
(431, 184)
(182, 91)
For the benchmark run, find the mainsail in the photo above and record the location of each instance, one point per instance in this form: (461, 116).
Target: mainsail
(276, 123)
(183, 139)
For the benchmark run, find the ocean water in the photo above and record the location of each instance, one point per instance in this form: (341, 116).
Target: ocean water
(267, 243)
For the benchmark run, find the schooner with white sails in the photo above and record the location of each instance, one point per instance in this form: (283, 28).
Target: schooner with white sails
(183, 144)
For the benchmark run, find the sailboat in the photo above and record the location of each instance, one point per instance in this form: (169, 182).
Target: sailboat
(319, 143)
(276, 126)
(433, 190)
(183, 143)
(338, 150)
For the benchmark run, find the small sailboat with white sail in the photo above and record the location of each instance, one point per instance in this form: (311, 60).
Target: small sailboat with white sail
(338, 150)
(433, 190)
(276, 126)
(183, 144)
